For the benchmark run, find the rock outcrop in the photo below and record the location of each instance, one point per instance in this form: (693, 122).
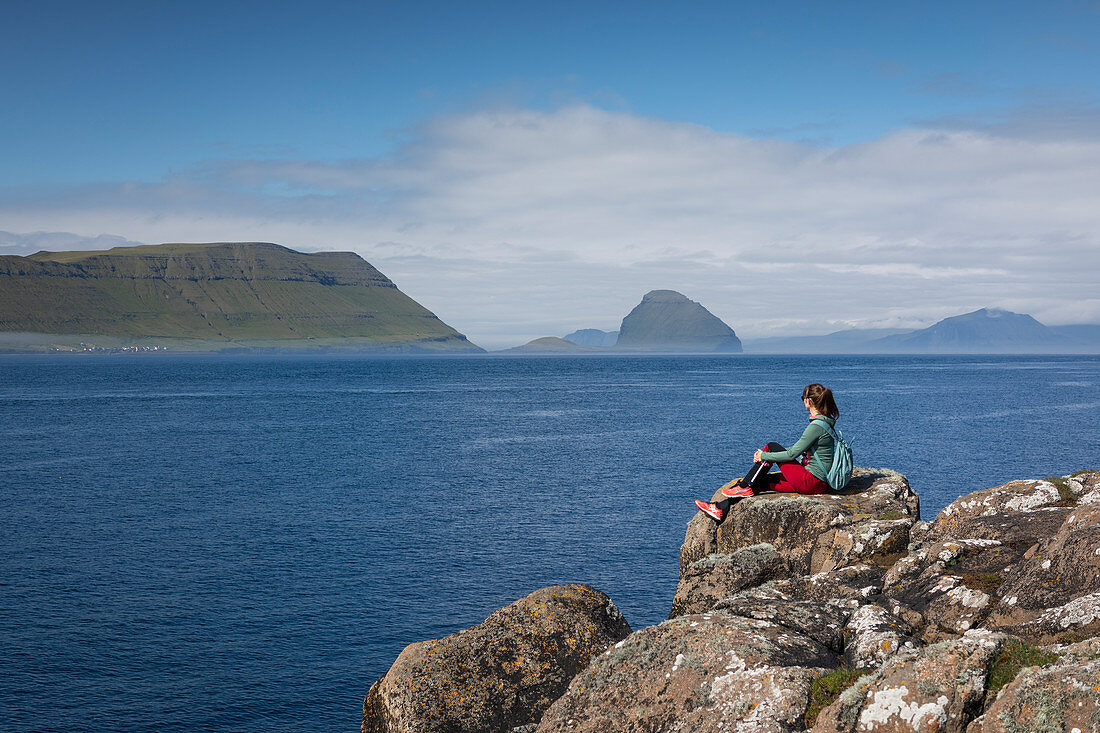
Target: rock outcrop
(836, 613)
(1022, 558)
(696, 673)
(868, 522)
(1063, 695)
(500, 674)
(714, 577)
(937, 688)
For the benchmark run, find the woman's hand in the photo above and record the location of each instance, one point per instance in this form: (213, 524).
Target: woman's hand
(756, 456)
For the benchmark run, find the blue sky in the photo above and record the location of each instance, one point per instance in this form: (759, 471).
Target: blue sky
(489, 157)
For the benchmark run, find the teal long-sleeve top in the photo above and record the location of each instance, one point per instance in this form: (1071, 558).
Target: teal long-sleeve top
(814, 439)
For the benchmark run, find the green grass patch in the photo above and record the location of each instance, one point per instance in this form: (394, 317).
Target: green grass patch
(985, 582)
(1083, 471)
(1069, 637)
(827, 688)
(1066, 497)
(893, 514)
(1015, 655)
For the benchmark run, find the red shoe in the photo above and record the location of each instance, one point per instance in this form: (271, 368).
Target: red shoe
(737, 492)
(711, 510)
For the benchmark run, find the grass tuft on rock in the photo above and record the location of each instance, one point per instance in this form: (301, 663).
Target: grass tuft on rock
(827, 688)
(1066, 497)
(1015, 655)
(985, 582)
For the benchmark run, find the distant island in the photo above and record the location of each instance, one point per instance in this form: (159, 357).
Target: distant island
(592, 337)
(668, 321)
(258, 296)
(210, 297)
(665, 321)
(551, 345)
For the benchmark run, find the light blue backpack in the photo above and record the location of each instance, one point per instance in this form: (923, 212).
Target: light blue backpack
(840, 473)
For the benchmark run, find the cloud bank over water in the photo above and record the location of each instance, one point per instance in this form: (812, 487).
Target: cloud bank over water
(516, 223)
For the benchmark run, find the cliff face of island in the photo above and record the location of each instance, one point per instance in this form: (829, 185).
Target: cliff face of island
(840, 612)
(213, 296)
(664, 322)
(668, 321)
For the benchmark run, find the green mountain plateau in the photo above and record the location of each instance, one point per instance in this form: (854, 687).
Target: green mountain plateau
(212, 296)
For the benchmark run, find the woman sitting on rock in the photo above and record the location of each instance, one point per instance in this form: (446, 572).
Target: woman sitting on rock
(805, 477)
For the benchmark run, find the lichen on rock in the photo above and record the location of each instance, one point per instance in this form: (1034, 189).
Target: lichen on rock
(936, 688)
(500, 674)
(822, 621)
(1064, 696)
(873, 635)
(716, 576)
(700, 672)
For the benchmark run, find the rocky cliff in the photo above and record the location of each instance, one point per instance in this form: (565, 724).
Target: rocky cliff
(841, 612)
(213, 296)
(498, 675)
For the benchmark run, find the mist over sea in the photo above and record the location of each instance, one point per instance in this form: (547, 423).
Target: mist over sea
(246, 543)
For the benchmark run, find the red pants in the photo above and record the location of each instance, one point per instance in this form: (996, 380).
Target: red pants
(794, 478)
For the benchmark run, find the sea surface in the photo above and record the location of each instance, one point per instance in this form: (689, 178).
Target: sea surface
(239, 544)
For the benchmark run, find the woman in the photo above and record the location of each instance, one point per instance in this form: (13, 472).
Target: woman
(805, 477)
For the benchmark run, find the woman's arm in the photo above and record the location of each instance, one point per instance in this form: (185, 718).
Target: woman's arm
(810, 435)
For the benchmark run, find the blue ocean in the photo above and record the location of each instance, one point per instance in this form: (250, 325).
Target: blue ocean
(246, 543)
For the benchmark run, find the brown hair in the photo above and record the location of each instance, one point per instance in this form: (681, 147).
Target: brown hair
(821, 398)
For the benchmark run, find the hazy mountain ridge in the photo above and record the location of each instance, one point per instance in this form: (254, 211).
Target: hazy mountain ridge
(986, 329)
(835, 342)
(593, 337)
(215, 296)
(1082, 332)
(552, 345)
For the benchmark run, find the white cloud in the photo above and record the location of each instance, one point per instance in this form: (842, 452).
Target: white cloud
(512, 224)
